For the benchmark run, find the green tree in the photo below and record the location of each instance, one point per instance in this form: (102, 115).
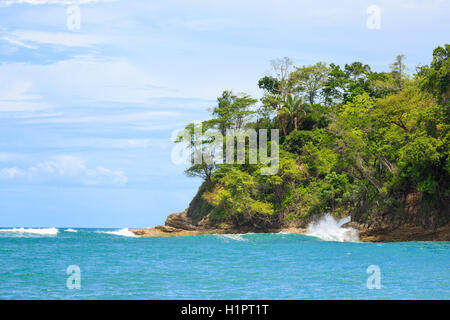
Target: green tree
(398, 69)
(231, 111)
(309, 81)
(269, 84)
(290, 112)
(436, 77)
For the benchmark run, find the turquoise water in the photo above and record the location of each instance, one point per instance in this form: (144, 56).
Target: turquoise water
(251, 266)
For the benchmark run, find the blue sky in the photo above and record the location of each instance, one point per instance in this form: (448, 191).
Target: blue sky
(86, 115)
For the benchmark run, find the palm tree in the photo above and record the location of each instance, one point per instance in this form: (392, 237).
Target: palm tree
(290, 111)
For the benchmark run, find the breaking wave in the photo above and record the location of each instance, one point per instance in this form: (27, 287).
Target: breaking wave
(235, 237)
(39, 231)
(70, 230)
(330, 229)
(122, 232)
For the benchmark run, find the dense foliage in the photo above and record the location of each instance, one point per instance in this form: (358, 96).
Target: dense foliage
(352, 141)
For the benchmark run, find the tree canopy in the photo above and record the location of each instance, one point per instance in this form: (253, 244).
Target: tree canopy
(353, 141)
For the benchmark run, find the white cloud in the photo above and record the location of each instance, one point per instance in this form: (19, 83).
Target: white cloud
(61, 2)
(414, 6)
(14, 106)
(30, 115)
(19, 96)
(119, 143)
(88, 78)
(120, 118)
(68, 169)
(10, 173)
(17, 90)
(18, 43)
(68, 39)
(101, 144)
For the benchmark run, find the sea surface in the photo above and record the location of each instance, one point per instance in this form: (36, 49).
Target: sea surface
(113, 264)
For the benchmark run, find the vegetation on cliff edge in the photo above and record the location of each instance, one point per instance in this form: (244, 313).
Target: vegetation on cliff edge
(352, 141)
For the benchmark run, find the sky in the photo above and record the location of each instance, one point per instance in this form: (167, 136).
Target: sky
(87, 110)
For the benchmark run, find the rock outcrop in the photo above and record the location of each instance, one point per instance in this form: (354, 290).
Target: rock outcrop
(382, 228)
(180, 220)
(406, 232)
(179, 224)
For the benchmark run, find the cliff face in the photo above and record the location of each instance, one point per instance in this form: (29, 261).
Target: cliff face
(180, 224)
(405, 232)
(411, 218)
(405, 221)
(177, 224)
(181, 221)
(199, 209)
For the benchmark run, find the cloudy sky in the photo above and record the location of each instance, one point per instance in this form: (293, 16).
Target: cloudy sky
(86, 114)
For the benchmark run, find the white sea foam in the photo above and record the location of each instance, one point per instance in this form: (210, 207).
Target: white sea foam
(330, 229)
(40, 231)
(235, 237)
(70, 230)
(122, 232)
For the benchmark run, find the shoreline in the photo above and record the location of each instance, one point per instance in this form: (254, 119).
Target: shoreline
(401, 234)
(164, 231)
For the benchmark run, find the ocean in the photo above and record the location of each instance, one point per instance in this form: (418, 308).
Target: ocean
(112, 264)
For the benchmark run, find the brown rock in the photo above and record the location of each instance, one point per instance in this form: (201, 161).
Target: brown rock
(180, 220)
(167, 229)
